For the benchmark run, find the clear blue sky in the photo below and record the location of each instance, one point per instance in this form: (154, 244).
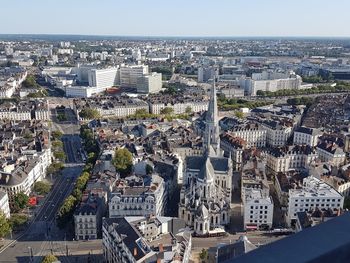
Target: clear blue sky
(177, 17)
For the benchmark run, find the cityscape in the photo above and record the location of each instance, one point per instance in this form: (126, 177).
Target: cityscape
(160, 148)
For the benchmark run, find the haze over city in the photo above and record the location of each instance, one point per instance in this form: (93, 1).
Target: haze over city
(177, 18)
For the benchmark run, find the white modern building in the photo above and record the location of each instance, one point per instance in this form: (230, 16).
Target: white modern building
(314, 194)
(103, 79)
(270, 81)
(151, 83)
(130, 75)
(80, 91)
(258, 209)
(179, 106)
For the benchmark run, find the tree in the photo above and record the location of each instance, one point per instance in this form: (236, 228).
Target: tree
(59, 155)
(203, 255)
(21, 200)
(88, 113)
(17, 220)
(57, 144)
(54, 167)
(57, 135)
(123, 161)
(5, 227)
(49, 259)
(188, 110)
(167, 111)
(42, 188)
(239, 114)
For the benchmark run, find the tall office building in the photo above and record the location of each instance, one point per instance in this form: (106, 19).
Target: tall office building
(103, 78)
(130, 75)
(150, 83)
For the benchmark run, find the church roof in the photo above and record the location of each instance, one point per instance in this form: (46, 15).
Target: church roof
(207, 170)
(220, 164)
(202, 211)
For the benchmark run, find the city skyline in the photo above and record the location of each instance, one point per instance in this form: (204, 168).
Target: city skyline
(181, 19)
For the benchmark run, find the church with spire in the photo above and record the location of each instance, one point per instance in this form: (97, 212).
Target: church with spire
(205, 195)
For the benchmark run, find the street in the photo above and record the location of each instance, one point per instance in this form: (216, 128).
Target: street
(36, 239)
(73, 148)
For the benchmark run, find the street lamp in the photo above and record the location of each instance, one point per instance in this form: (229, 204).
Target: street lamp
(30, 253)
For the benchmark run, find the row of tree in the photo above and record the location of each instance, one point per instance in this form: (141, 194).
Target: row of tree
(66, 211)
(339, 87)
(227, 104)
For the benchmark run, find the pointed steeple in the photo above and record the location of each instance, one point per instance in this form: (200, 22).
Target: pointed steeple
(212, 139)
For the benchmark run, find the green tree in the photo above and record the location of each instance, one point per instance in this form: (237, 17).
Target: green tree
(239, 114)
(123, 161)
(17, 220)
(42, 188)
(57, 135)
(203, 255)
(66, 210)
(60, 155)
(20, 200)
(167, 111)
(55, 167)
(49, 259)
(89, 113)
(5, 227)
(188, 110)
(57, 144)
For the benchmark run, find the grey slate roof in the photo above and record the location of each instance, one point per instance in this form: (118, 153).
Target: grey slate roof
(219, 164)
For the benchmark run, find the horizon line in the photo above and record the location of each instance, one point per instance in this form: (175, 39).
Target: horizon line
(172, 36)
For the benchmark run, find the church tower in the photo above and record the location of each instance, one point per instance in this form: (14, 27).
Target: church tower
(212, 133)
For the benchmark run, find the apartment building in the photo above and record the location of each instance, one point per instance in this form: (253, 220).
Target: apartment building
(253, 134)
(132, 239)
(306, 136)
(258, 209)
(287, 158)
(314, 193)
(139, 200)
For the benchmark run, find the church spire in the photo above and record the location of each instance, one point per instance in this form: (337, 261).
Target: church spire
(212, 139)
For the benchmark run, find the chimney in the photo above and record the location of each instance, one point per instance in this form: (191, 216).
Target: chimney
(135, 252)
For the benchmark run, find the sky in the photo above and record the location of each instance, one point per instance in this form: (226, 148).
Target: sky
(329, 18)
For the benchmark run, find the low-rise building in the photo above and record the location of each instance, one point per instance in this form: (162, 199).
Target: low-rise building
(313, 194)
(288, 158)
(306, 136)
(331, 153)
(4, 204)
(88, 218)
(145, 240)
(258, 209)
(139, 200)
(252, 133)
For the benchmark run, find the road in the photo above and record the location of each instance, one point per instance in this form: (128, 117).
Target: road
(36, 239)
(72, 147)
